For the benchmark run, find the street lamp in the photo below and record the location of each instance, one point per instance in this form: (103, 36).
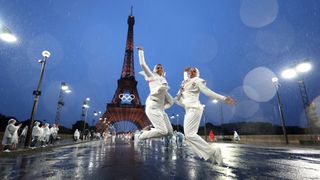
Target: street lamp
(300, 68)
(95, 114)
(304, 67)
(177, 119)
(36, 93)
(276, 86)
(6, 34)
(64, 88)
(215, 101)
(204, 119)
(85, 107)
(99, 115)
(177, 115)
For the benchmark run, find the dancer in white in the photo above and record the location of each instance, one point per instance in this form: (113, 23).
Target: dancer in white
(158, 100)
(188, 97)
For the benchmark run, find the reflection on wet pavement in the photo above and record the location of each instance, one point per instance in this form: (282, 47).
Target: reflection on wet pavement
(126, 160)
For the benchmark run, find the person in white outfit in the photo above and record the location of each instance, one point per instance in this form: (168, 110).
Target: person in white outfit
(188, 97)
(46, 134)
(53, 133)
(36, 134)
(179, 139)
(23, 134)
(15, 140)
(236, 136)
(158, 100)
(42, 135)
(8, 134)
(76, 135)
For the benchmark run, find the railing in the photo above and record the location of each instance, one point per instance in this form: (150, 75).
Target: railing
(272, 139)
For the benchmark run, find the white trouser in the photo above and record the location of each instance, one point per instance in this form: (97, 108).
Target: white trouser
(191, 124)
(160, 121)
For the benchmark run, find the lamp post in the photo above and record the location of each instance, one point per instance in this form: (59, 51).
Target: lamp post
(276, 86)
(64, 88)
(204, 119)
(177, 119)
(36, 93)
(300, 68)
(6, 34)
(215, 101)
(84, 112)
(95, 114)
(177, 115)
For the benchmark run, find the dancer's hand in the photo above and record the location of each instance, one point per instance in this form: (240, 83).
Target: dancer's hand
(229, 100)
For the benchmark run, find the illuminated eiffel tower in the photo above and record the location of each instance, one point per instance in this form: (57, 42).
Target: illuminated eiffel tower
(125, 112)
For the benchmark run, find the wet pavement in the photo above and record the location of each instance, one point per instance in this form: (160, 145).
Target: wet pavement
(125, 160)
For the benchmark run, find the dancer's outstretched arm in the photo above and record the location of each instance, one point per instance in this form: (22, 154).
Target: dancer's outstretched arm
(208, 92)
(143, 64)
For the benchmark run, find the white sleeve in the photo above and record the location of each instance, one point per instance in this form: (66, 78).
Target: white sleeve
(208, 92)
(143, 64)
(168, 101)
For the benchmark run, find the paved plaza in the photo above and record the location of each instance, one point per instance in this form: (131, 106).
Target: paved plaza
(127, 160)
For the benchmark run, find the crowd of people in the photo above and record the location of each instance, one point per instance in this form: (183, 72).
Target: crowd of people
(41, 136)
(87, 135)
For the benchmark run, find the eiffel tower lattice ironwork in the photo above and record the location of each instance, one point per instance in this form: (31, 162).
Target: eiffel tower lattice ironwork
(126, 104)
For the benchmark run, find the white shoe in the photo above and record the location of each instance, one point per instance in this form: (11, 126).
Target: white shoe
(7, 150)
(216, 157)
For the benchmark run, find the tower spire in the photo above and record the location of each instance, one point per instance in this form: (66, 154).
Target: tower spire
(128, 62)
(127, 83)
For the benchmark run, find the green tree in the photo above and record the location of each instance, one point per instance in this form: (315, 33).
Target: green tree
(79, 125)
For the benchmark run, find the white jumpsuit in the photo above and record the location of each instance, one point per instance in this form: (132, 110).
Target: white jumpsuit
(158, 100)
(188, 97)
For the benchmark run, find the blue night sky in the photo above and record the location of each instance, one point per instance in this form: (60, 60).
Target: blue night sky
(238, 46)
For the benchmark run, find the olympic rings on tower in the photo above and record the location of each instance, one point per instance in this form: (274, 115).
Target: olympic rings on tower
(127, 97)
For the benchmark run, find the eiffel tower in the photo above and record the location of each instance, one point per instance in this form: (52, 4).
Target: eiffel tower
(125, 112)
